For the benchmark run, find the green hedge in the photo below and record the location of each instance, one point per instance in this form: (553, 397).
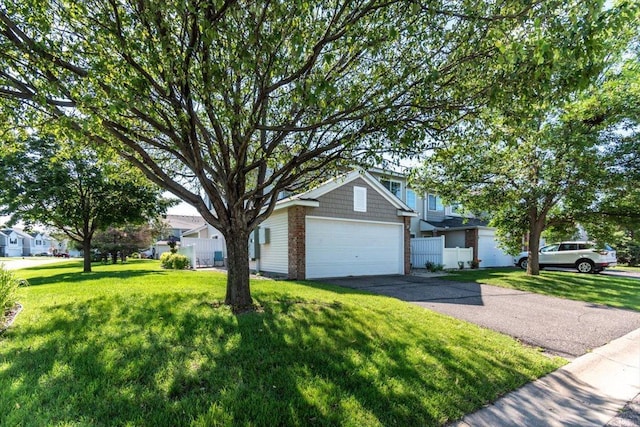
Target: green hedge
(174, 261)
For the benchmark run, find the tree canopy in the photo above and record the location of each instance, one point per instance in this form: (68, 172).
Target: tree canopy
(236, 101)
(549, 157)
(45, 181)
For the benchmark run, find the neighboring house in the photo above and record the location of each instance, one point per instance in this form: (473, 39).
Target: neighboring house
(14, 242)
(348, 226)
(179, 224)
(4, 240)
(39, 244)
(436, 219)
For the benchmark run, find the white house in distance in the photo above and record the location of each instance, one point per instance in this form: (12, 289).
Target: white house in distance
(16, 243)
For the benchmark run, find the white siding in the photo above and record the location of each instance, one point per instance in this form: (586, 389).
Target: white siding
(274, 256)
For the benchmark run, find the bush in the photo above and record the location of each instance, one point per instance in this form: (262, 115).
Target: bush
(433, 267)
(8, 286)
(174, 261)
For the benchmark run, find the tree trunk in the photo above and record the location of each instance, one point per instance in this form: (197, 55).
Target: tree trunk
(86, 249)
(238, 290)
(535, 230)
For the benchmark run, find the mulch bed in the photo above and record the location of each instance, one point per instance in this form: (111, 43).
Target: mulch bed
(9, 317)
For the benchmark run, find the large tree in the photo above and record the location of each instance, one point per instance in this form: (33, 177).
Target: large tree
(236, 101)
(73, 190)
(546, 158)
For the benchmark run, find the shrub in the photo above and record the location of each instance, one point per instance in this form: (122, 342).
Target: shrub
(433, 267)
(8, 286)
(174, 261)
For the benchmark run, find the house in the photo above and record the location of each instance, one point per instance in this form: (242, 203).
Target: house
(39, 244)
(17, 243)
(435, 219)
(179, 224)
(4, 240)
(13, 242)
(348, 226)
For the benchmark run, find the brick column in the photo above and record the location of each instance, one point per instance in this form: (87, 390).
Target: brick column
(407, 245)
(471, 241)
(297, 247)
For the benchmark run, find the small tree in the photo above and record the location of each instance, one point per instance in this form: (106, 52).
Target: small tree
(50, 182)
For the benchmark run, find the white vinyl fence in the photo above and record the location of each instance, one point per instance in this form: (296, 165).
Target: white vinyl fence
(431, 249)
(427, 249)
(204, 252)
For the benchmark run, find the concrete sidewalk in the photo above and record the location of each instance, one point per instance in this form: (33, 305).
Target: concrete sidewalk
(590, 391)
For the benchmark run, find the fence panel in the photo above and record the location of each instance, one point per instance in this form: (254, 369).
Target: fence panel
(452, 256)
(205, 251)
(427, 249)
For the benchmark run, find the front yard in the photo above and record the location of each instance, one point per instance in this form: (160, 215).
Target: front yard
(614, 291)
(135, 345)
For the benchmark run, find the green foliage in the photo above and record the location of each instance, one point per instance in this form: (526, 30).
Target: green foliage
(74, 189)
(137, 345)
(174, 261)
(537, 156)
(226, 104)
(433, 267)
(8, 288)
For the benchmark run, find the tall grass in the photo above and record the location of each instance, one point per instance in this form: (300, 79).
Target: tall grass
(8, 288)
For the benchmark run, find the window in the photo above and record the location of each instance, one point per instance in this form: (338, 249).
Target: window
(395, 187)
(13, 241)
(435, 203)
(456, 209)
(568, 247)
(38, 242)
(359, 199)
(411, 199)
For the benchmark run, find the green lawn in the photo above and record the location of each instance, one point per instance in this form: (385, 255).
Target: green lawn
(135, 345)
(596, 288)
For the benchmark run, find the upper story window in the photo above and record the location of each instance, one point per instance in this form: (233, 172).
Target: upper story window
(435, 203)
(13, 241)
(411, 199)
(395, 187)
(38, 242)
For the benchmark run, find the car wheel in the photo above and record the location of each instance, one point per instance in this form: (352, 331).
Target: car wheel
(523, 263)
(585, 266)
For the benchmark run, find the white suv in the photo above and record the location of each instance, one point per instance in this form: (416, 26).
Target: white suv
(586, 257)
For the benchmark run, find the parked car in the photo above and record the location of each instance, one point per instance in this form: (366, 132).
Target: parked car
(586, 257)
(62, 255)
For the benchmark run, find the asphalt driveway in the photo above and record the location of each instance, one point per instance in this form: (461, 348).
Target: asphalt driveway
(559, 326)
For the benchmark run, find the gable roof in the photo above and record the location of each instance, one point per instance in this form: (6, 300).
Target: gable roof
(310, 198)
(185, 222)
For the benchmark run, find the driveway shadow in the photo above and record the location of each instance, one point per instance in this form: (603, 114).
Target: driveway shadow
(562, 327)
(415, 289)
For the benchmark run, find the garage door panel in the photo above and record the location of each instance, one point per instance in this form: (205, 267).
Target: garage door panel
(491, 254)
(352, 248)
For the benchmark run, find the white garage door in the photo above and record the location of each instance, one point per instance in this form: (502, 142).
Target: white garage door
(489, 252)
(338, 248)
